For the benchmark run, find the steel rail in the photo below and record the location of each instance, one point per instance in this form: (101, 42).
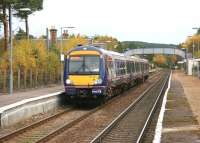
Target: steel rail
(67, 125)
(153, 109)
(103, 133)
(76, 121)
(34, 125)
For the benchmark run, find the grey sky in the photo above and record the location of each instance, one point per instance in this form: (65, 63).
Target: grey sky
(160, 21)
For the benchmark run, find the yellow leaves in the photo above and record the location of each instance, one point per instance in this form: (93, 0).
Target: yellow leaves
(23, 56)
(110, 42)
(159, 59)
(40, 53)
(73, 42)
(173, 59)
(190, 41)
(67, 44)
(4, 61)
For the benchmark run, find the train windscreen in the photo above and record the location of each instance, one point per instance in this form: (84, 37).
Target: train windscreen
(84, 64)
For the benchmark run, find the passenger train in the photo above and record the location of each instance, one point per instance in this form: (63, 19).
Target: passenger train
(93, 72)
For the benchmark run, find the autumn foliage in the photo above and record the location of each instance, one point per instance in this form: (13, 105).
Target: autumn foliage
(192, 45)
(159, 59)
(33, 64)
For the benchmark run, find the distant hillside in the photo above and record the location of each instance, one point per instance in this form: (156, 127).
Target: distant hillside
(138, 44)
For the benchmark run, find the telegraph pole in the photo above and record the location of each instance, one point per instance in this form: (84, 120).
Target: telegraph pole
(11, 50)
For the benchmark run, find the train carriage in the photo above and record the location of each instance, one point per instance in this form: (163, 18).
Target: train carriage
(92, 72)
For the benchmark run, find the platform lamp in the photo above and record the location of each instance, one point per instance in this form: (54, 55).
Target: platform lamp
(193, 46)
(10, 44)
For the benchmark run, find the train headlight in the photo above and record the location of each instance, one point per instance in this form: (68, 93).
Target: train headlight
(68, 81)
(99, 81)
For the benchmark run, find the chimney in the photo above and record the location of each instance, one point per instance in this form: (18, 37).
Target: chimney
(53, 35)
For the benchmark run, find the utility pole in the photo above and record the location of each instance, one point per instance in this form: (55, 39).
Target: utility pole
(47, 39)
(11, 50)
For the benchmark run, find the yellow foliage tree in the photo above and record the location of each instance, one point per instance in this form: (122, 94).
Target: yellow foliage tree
(159, 59)
(193, 41)
(73, 42)
(111, 43)
(173, 59)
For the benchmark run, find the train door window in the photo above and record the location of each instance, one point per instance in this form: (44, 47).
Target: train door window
(141, 64)
(133, 67)
(129, 67)
(136, 67)
(123, 68)
(108, 69)
(109, 66)
(145, 67)
(116, 67)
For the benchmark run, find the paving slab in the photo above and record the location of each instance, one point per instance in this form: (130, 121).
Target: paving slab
(180, 124)
(31, 93)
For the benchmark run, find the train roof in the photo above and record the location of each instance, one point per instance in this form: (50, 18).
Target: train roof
(107, 52)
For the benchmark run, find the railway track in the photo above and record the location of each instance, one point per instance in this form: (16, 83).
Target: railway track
(45, 129)
(130, 125)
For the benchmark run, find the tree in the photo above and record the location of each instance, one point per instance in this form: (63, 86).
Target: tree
(4, 5)
(192, 44)
(160, 60)
(110, 42)
(173, 59)
(31, 6)
(73, 42)
(21, 34)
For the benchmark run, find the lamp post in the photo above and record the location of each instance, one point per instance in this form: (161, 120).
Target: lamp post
(193, 46)
(61, 51)
(197, 28)
(10, 51)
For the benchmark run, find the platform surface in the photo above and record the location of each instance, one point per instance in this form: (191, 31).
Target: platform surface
(182, 114)
(6, 100)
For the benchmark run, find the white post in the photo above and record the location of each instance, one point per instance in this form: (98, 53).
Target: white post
(61, 51)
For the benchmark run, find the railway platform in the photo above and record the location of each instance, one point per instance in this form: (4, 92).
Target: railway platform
(182, 114)
(6, 99)
(22, 105)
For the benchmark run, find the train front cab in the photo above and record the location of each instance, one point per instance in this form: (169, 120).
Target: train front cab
(84, 74)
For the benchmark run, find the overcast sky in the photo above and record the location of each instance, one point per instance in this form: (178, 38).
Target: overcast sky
(160, 21)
